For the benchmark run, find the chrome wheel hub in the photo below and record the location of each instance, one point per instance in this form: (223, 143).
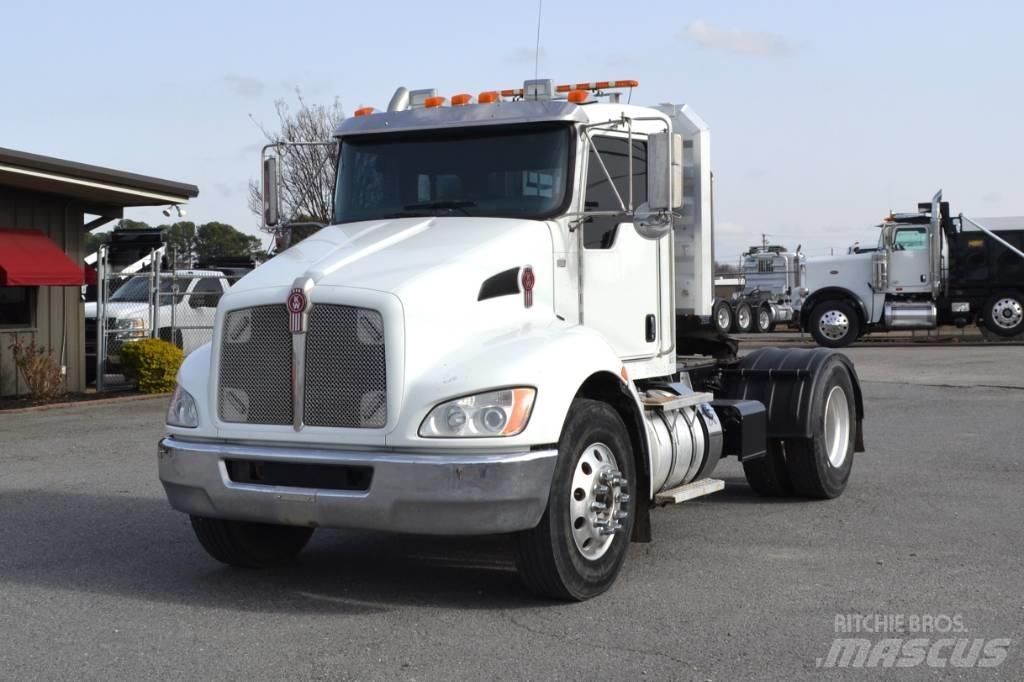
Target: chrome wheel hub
(837, 426)
(743, 318)
(1007, 313)
(764, 319)
(834, 325)
(598, 501)
(723, 318)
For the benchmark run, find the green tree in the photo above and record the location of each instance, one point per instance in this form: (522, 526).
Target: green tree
(181, 241)
(216, 239)
(129, 224)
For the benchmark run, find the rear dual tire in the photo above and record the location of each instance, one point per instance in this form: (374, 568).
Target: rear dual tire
(1003, 315)
(818, 467)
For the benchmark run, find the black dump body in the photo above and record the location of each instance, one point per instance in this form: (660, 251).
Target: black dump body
(978, 265)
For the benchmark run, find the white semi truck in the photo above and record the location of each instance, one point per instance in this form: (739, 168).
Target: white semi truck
(500, 333)
(769, 274)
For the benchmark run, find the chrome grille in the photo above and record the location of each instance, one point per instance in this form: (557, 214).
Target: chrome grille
(346, 379)
(256, 367)
(345, 372)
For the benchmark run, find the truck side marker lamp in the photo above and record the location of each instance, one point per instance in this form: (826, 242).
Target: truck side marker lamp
(488, 97)
(577, 96)
(363, 111)
(433, 102)
(461, 100)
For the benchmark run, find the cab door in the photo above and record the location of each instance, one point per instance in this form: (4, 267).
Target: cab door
(909, 260)
(620, 268)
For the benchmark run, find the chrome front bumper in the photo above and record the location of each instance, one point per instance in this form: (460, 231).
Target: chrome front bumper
(443, 494)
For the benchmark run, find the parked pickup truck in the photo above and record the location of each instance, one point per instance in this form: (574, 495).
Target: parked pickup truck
(500, 333)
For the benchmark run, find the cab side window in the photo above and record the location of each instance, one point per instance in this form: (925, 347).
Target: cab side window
(207, 292)
(599, 231)
(911, 239)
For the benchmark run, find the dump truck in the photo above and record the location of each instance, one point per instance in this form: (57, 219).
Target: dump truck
(929, 268)
(504, 331)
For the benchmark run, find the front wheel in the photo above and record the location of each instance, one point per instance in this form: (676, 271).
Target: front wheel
(249, 545)
(578, 548)
(834, 324)
(765, 320)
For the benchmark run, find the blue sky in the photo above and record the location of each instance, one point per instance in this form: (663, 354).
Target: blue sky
(823, 114)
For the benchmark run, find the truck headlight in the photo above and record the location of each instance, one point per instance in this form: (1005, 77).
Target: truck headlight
(484, 415)
(130, 328)
(182, 410)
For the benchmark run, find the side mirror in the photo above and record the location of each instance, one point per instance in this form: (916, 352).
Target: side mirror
(665, 171)
(651, 224)
(270, 201)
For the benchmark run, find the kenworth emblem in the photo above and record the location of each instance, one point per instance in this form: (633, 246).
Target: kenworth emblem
(296, 306)
(528, 280)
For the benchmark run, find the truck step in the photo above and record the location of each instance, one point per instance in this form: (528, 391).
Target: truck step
(668, 403)
(689, 491)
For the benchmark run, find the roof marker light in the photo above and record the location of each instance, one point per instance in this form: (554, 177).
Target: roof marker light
(489, 97)
(461, 99)
(364, 111)
(433, 102)
(577, 96)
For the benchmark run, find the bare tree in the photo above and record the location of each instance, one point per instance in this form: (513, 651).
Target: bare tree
(306, 172)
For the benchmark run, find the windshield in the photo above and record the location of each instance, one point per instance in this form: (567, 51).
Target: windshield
(136, 290)
(512, 172)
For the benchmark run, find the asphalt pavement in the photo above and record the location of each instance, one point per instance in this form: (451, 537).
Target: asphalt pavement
(100, 579)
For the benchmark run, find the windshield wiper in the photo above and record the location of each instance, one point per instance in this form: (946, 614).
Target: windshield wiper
(450, 206)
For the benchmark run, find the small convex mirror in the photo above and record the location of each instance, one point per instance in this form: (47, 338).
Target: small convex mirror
(651, 224)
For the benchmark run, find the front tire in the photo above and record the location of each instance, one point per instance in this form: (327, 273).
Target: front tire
(765, 320)
(1004, 314)
(249, 545)
(579, 546)
(820, 467)
(834, 324)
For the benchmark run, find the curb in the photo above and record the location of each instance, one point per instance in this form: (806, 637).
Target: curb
(84, 403)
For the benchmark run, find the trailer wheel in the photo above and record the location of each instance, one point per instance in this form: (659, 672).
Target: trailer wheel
(834, 324)
(768, 475)
(249, 545)
(723, 317)
(1004, 314)
(820, 466)
(744, 319)
(577, 549)
(765, 320)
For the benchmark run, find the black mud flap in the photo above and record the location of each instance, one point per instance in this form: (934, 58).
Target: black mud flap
(783, 380)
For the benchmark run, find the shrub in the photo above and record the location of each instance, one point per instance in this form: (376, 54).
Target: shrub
(153, 363)
(42, 373)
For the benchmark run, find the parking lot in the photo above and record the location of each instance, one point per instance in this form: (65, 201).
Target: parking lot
(100, 579)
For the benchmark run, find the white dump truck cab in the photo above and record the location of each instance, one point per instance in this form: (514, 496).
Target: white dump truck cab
(503, 331)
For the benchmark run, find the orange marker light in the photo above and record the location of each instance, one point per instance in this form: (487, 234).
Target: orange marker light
(522, 404)
(459, 100)
(578, 96)
(517, 92)
(364, 111)
(489, 97)
(433, 102)
(626, 84)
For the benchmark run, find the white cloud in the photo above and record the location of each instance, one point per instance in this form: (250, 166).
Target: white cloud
(742, 42)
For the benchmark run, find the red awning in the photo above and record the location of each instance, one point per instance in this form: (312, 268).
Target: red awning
(29, 259)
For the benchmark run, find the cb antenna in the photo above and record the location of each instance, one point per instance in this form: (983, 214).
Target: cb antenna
(536, 52)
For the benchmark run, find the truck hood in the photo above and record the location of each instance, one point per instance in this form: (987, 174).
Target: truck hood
(401, 255)
(827, 271)
(119, 310)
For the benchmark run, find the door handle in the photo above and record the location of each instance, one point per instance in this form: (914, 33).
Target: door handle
(651, 328)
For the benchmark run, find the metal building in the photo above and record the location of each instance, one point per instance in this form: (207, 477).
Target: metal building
(44, 203)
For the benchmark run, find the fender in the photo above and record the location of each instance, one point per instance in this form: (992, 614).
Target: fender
(832, 293)
(783, 381)
(194, 376)
(555, 359)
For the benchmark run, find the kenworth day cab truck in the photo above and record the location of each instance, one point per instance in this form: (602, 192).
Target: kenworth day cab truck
(500, 333)
(929, 269)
